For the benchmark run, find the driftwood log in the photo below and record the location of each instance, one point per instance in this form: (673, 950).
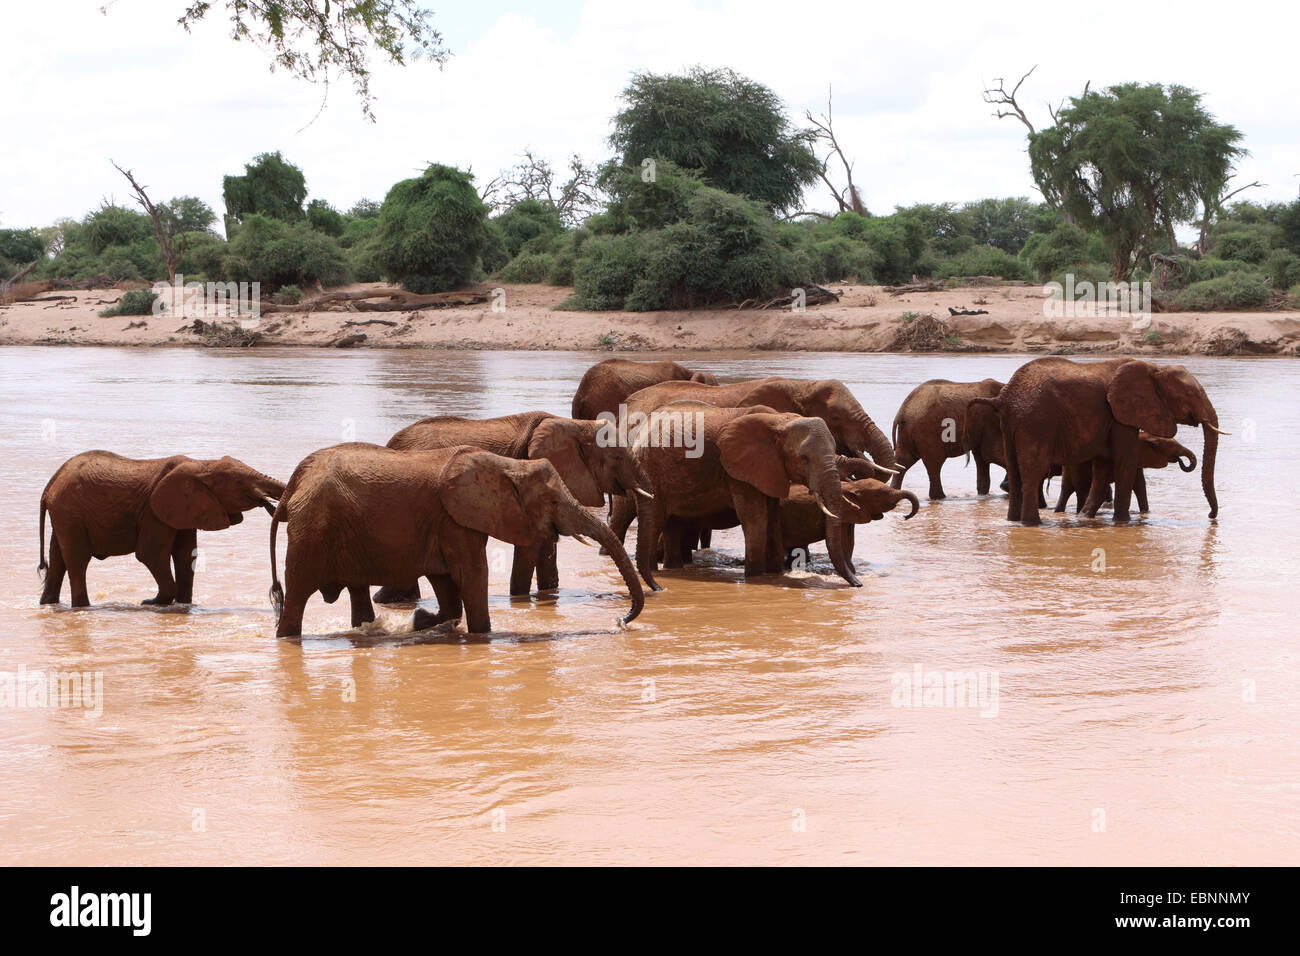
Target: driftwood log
(952, 311)
(383, 300)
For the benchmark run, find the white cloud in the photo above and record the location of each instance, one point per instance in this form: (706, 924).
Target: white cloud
(182, 110)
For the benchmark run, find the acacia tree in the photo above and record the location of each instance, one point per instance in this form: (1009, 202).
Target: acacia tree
(730, 129)
(270, 186)
(1131, 161)
(314, 39)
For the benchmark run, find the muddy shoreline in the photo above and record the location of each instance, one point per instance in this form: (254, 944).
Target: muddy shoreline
(866, 319)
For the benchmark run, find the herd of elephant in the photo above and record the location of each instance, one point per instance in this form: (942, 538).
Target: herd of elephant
(791, 462)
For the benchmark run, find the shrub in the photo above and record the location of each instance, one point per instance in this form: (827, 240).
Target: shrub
(1236, 290)
(287, 295)
(839, 258)
(1294, 295)
(323, 217)
(605, 273)
(529, 267)
(1283, 268)
(135, 302)
(1209, 268)
(203, 257)
(982, 261)
(1242, 246)
(21, 245)
(1055, 252)
(432, 231)
(527, 220)
(275, 253)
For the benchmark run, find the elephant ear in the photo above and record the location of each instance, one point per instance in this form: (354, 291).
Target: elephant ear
(183, 500)
(751, 453)
(1136, 401)
(479, 492)
(559, 442)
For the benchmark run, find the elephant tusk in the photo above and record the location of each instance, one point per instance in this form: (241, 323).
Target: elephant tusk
(1215, 429)
(827, 511)
(581, 540)
(643, 493)
(886, 470)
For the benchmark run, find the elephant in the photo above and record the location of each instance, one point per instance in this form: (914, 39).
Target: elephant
(359, 515)
(1153, 452)
(854, 432)
(607, 384)
(591, 468)
(934, 424)
(101, 504)
(748, 459)
(865, 500)
(1054, 410)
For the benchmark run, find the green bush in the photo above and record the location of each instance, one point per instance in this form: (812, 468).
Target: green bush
(135, 302)
(276, 253)
(839, 258)
(1049, 254)
(606, 271)
(1294, 295)
(287, 295)
(527, 220)
(982, 261)
(21, 246)
(1236, 290)
(203, 257)
(528, 267)
(1242, 246)
(1198, 270)
(432, 231)
(323, 217)
(1283, 268)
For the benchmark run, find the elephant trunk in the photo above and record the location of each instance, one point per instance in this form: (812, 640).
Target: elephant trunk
(1190, 463)
(829, 495)
(586, 524)
(877, 443)
(916, 503)
(1209, 427)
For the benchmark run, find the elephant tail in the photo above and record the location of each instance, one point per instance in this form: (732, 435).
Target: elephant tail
(276, 594)
(40, 568)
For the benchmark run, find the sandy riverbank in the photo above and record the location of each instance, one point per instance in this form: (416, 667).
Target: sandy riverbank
(866, 319)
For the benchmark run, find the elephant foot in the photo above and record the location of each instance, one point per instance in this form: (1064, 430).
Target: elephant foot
(387, 595)
(158, 601)
(1121, 516)
(46, 599)
(423, 620)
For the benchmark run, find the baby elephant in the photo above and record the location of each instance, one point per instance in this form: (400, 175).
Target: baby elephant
(934, 424)
(102, 504)
(865, 500)
(1153, 452)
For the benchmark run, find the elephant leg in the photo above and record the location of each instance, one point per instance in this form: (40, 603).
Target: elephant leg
(706, 538)
(1013, 479)
(54, 574)
(1067, 489)
(674, 541)
(982, 479)
(548, 565)
(521, 571)
(295, 602)
(363, 612)
(1034, 465)
(775, 560)
(449, 606)
(751, 509)
(387, 595)
(159, 565)
(471, 578)
(1140, 491)
(184, 555)
(932, 468)
(1042, 493)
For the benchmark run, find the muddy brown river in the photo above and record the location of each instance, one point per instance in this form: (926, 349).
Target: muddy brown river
(1135, 690)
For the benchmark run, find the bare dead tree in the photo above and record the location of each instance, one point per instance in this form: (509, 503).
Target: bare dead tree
(574, 198)
(849, 198)
(163, 229)
(1005, 102)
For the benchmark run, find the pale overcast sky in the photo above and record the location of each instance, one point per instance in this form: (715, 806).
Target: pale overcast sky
(182, 110)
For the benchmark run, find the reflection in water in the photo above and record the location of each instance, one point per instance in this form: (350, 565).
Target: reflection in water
(1146, 710)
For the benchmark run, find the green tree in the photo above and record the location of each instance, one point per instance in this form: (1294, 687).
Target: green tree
(314, 39)
(187, 214)
(527, 220)
(730, 129)
(432, 231)
(270, 186)
(323, 217)
(1131, 161)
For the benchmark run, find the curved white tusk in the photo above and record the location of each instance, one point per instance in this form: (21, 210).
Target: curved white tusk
(827, 511)
(579, 538)
(1218, 431)
(643, 493)
(890, 471)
